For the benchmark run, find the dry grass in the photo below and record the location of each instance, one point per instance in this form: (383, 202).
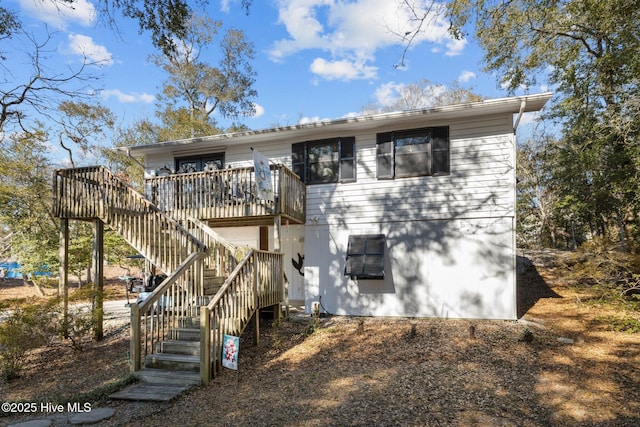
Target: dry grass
(390, 372)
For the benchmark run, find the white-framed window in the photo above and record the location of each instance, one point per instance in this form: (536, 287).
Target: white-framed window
(325, 160)
(414, 152)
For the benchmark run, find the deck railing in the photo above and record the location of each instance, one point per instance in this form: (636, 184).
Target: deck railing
(228, 193)
(256, 282)
(184, 248)
(96, 193)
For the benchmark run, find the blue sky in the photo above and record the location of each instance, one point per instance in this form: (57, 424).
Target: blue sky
(315, 59)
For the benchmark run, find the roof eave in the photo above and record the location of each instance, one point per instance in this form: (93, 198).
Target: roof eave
(405, 118)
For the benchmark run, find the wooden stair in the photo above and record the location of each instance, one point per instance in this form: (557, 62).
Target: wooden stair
(193, 257)
(177, 360)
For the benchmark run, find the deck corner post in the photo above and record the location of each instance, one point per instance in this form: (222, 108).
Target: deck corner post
(63, 283)
(205, 345)
(135, 348)
(256, 329)
(98, 278)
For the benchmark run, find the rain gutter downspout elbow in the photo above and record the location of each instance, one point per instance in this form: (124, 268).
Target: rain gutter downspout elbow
(134, 159)
(523, 104)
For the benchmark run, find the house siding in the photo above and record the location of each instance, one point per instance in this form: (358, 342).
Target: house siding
(450, 239)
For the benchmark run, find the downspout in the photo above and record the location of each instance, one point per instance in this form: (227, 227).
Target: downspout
(514, 243)
(134, 159)
(523, 104)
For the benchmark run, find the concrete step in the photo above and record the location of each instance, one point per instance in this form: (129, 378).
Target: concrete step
(179, 347)
(172, 362)
(165, 377)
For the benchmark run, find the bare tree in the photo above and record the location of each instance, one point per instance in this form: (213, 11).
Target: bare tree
(36, 95)
(421, 16)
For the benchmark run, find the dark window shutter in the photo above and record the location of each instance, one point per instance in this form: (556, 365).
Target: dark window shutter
(298, 160)
(348, 159)
(365, 256)
(384, 155)
(440, 150)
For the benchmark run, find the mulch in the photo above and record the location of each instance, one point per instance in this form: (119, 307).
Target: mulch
(551, 368)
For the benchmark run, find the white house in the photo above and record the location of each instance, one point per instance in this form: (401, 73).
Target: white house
(407, 214)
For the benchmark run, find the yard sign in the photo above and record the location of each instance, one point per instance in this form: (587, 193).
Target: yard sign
(230, 349)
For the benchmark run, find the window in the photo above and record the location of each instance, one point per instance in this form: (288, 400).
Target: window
(416, 152)
(365, 256)
(207, 162)
(325, 160)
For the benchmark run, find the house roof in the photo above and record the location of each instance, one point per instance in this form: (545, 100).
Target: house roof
(405, 119)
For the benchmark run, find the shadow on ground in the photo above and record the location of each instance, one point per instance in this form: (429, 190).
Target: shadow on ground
(530, 286)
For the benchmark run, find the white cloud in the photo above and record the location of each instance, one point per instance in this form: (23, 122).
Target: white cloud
(466, 76)
(388, 93)
(84, 46)
(342, 69)
(59, 14)
(127, 98)
(455, 47)
(225, 5)
(356, 29)
(315, 119)
(259, 110)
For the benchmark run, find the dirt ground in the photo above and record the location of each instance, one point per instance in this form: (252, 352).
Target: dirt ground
(556, 366)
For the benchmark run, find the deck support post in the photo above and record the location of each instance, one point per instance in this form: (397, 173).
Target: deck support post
(135, 347)
(205, 345)
(256, 327)
(257, 288)
(63, 281)
(98, 278)
(277, 233)
(277, 247)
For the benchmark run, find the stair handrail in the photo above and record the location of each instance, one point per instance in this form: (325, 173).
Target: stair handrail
(97, 193)
(212, 233)
(259, 277)
(146, 307)
(227, 283)
(110, 181)
(170, 280)
(206, 332)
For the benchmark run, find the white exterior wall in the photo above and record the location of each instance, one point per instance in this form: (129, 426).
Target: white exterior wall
(450, 239)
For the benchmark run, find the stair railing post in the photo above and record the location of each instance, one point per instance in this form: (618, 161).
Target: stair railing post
(205, 345)
(134, 351)
(256, 302)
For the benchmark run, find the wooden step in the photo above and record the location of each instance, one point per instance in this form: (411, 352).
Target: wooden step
(165, 377)
(189, 322)
(179, 347)
(213, 284)
(172, 362)
(184, 334)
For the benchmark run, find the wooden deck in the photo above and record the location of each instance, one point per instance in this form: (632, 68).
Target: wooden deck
(229, 196)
